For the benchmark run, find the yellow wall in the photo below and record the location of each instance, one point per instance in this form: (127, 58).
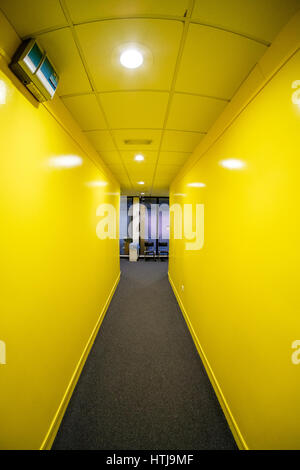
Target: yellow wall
(241, 290)
(56, 275)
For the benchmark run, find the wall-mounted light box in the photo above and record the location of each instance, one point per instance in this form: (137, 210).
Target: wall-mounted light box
(35, 70)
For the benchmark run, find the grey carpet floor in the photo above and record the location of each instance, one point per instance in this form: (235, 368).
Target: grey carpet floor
(143, 385)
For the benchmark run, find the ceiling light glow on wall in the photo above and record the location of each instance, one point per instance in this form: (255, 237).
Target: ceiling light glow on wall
(196, 185)
(65, 161)
(2, 92)
(131, 58)
(96, 184)
(232, 164)
(139, 158)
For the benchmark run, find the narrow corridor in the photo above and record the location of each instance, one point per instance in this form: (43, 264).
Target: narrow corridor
(143, 385)
(159, 129)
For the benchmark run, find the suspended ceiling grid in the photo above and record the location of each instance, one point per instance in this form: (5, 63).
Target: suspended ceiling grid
(196, 55)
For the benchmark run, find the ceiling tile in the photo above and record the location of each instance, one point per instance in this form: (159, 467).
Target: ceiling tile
(261, 19)
(142, 173)
(31, 16)
(135, 109)
(181, 141)
(173, 158)
(110, 158)
(115, 8)
(165, 182)
(123, 179)
(118, 169)
(160, 178)
(66, 59)
(103, 42)
(125, 186)
(160, 191)
(101, 140)
(219, 61)
(125, 183)
(137, 134)
(194, 113)
(165, 171)
(162, 182)
(138, 189)
(136, 177)
(86, 111)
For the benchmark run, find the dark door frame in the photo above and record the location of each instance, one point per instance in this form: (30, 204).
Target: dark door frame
(157, 198)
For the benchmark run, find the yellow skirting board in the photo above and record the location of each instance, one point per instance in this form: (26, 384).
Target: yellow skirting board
(51, 434)
(222, 400)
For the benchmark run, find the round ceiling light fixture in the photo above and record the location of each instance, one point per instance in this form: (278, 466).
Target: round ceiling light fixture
(131, 58)
(141, 182)
(139, 158)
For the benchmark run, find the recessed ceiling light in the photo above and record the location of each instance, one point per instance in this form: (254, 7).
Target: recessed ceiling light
(142, 194)
(141, 182)
(232, 164)
(139, 158)
(131, 59)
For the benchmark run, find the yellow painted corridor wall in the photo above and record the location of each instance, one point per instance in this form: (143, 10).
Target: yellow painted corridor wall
(240, 292)
(56, 275)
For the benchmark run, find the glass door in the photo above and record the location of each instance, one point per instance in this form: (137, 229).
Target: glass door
(154, 226)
